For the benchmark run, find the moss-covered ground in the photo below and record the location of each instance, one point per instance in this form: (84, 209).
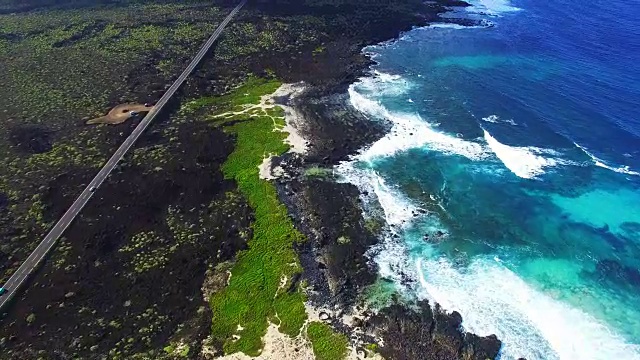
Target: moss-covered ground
(327, 345)
(258, 291)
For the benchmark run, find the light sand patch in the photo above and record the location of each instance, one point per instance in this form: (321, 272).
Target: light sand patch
(268, 171)
(278, 346)
(265, 169)
(293, 119)
(120, 114)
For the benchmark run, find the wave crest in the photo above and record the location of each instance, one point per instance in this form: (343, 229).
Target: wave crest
(601, 163)
(408, 131)
(525, 162)
(493, 299)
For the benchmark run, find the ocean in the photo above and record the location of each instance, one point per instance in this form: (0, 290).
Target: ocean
(510, 181)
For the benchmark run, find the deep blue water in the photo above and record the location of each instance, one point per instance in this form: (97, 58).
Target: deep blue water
(521, 144)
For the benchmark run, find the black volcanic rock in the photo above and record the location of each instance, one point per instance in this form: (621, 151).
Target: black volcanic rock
(31, 139)
(430, 334)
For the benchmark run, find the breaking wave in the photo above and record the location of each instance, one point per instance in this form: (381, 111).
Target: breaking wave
(491, 298)
(408, 131)
(494, 300)
(601, 163)
(525, 162)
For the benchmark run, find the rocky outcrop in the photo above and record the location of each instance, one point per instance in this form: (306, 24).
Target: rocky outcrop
(334, 258)
(428, 333)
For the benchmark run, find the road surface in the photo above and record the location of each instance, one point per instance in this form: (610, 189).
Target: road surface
(34, 259)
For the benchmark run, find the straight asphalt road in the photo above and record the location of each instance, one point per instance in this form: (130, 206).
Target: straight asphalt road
(28, 266)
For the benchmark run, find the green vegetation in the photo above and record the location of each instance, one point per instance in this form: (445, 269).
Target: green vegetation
(327, 345)
(146, 253)
(177, 350)
(296, 35)
(318, 172)
(61, 254)
(374, 225)
(60, 66)
(319, 50)
(242, 98)
(343, 240)
(257, 292)
(149, 322)
(372, 347)
(260, 277)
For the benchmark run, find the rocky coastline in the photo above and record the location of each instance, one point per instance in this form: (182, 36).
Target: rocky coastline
(334, 257)
(99, 297)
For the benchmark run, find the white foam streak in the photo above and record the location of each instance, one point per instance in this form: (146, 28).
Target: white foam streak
(491, 7)
(600, 163)
(494, 300)
(410, 131)
(495, 119)
(524, 162)
(451, 26)
(397, 209)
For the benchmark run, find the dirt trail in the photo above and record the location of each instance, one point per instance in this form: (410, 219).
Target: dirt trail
(120, 114)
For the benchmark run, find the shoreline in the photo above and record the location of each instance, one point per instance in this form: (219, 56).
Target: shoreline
(312, 201)
(183, 190)
(282, 98)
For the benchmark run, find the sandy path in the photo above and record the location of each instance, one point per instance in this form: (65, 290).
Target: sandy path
(293, 121)
(120, 114)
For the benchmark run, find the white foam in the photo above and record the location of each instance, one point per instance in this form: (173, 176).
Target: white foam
(524, 162)
(392, 260)
(387, 78)
(451, 26)
(491, 118)
(491, 7)
(383, 84)
(495, 119)
(494, 300)
(600, 163)
(410, 131)
(398, 210)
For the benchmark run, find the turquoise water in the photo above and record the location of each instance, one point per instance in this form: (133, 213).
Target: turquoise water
(511, 174)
